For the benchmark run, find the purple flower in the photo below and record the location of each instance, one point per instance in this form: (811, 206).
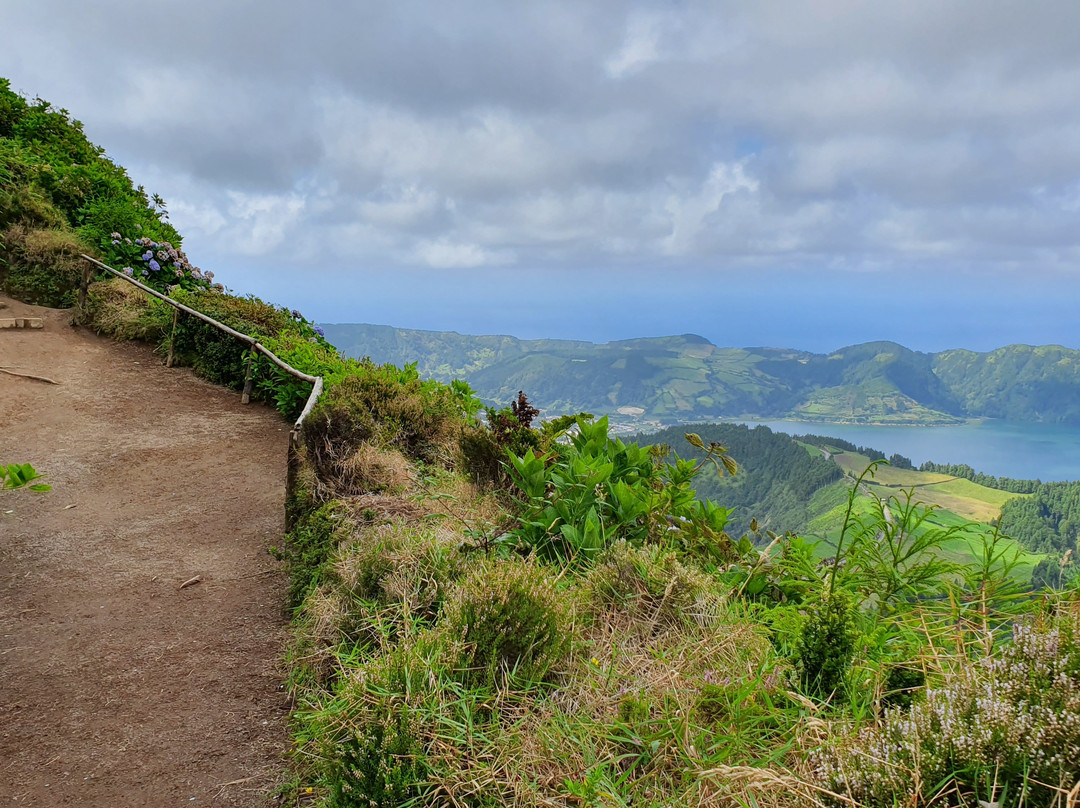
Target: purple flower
(115, 241)
(209, 275)
(128, 271)
(318, 331)
(144, 273)
(155, 266)
(297, 315)
(146, 256)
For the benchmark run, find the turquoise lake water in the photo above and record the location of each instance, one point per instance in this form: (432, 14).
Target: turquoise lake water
(1024, 451)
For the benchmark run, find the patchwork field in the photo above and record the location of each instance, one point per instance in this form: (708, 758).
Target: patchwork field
(958, 502)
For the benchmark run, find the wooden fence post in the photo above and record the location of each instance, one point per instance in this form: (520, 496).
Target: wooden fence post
(172, 337)
(252, 357)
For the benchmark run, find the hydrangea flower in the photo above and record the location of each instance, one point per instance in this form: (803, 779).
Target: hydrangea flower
(154, 265)
(128, 271)
(115, 236)
(318, 331)
(297, 315)
(146, 256)
(144, 273)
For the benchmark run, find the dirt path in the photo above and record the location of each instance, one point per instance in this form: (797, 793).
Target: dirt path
(116, 687)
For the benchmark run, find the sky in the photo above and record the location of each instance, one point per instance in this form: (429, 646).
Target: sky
(796, 173)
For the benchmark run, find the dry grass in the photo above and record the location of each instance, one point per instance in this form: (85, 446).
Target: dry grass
(125, 312)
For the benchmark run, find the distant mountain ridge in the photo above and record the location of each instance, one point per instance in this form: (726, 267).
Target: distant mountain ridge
(687, 377)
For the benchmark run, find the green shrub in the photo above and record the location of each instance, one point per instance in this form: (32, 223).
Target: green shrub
(826, 646)
(581, 498)
(387, 406)
(506, 618)
(43, 266)
(380, 765)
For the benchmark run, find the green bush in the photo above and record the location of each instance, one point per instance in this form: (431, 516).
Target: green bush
(581, 498)
(387, 406)
(826, 646)
(506, 618)
(380, 766)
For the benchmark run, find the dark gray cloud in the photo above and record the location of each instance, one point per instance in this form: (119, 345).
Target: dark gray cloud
(698, 134)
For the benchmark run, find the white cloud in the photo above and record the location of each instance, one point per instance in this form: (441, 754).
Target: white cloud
(691, 213)
(445, 254)
(583, 134)
(639, 48)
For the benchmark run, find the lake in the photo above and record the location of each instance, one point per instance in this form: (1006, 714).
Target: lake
(1024, 451)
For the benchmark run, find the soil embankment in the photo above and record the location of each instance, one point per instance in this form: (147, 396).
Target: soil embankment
(117, 688)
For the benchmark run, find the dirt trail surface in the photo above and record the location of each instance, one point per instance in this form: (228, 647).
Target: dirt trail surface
(117, 688)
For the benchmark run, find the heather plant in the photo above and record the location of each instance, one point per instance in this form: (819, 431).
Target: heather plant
(1004, 731)
(506, 619)
(387, 406)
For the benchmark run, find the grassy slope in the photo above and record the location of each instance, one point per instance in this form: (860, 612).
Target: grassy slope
(959, 502)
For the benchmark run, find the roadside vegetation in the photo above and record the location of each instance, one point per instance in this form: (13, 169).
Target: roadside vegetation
(491, 611)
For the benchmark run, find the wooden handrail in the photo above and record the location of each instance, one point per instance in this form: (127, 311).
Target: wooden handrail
(316, 381)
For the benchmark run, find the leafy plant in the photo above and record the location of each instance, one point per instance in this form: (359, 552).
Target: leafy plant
(582, 497)
(16, 475)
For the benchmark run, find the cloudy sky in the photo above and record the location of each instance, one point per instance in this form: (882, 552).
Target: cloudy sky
(808, 173)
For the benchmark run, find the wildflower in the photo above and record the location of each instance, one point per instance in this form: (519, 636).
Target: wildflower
(297, 315)
(154, 265)
(595, 661)
(144, 273)
(115, 236)
(115, 241)
(318, 331)
(146, 256)
(128, 271)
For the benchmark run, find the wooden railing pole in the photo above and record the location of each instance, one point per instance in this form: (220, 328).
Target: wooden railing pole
(251, 357)
(172, 337)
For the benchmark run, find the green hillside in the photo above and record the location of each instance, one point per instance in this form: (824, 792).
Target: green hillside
(496, 614)
(684, 378)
